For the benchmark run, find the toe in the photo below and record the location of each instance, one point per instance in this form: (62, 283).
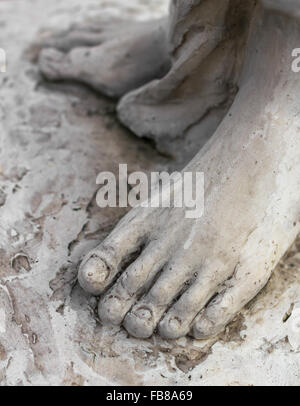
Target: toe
(111, 308)
(121, 297)
(78, 64)
(205, 328)
(179, 318)
(144, 317)
(100, 267)
(242, 288)
(93, 274)
(140, 322)
(217, 315)
(73, 38)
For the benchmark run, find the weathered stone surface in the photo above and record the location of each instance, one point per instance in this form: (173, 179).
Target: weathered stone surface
(54, 141)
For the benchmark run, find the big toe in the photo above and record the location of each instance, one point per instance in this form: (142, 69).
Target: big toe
(93, 274)
(139, 323)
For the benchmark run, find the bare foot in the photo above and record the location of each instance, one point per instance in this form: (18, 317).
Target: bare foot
(193, 276)
(113, 58)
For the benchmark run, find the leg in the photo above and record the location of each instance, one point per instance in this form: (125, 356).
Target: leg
(112, 58)
(185, 69)
(207, 43)
(193, 276)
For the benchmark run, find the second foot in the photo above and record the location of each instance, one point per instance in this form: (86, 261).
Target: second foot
(112, 58)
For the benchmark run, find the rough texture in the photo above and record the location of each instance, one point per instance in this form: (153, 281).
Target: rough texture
(181, 110)
(48, 330)
(102, 54)
(193, 275)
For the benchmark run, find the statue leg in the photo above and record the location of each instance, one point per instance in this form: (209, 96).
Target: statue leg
(193, 275)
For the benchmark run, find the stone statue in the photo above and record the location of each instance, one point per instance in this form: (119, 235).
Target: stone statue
(219, 73)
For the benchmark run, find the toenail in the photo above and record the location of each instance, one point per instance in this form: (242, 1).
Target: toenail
(99, 276)
(144, 313)
(103, 276)
(175, 323)
(113, 303)
(139, 323)
(98, 263)
(110, 310)
(93, 274)
(203, 328)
